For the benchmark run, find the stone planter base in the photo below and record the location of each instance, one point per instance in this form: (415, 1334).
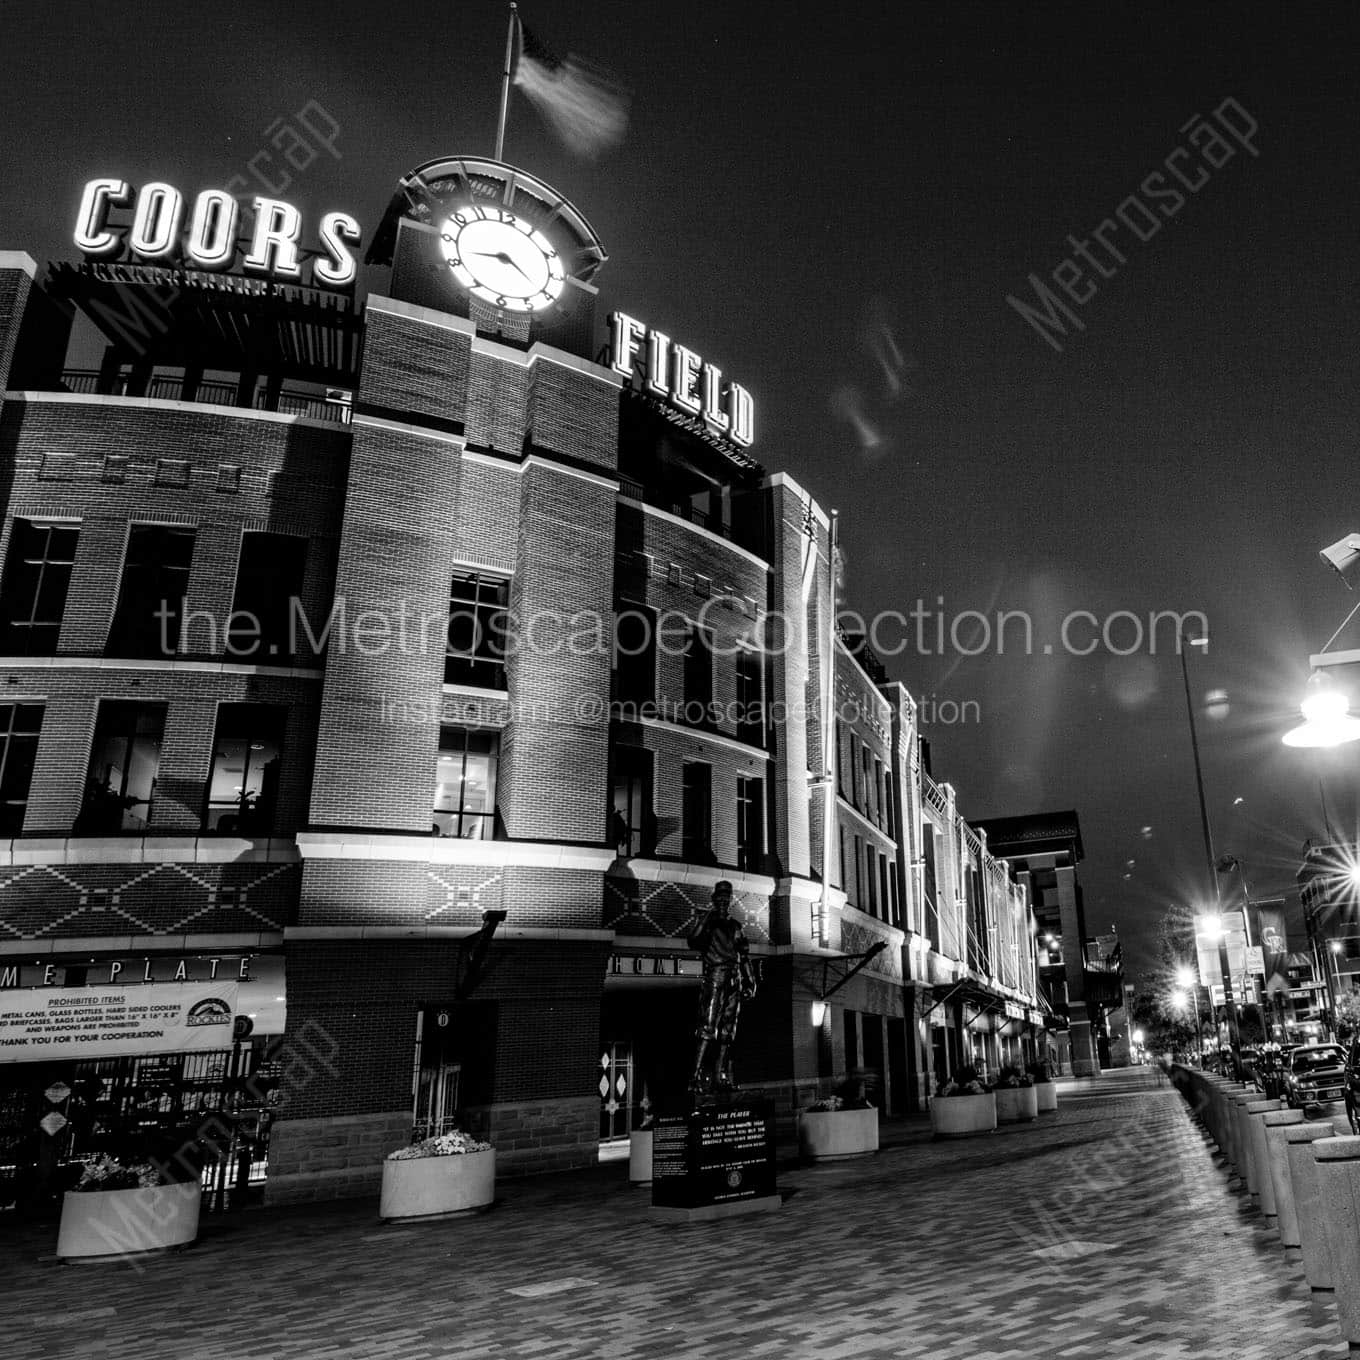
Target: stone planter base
(1047, 1093)
(962, 1116)
(830, 1135)
(640, 1157)
(109, 1224)
(434, 1187)
(1016, 1104)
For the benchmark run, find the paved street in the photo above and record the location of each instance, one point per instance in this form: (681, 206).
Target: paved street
(1103, 1231)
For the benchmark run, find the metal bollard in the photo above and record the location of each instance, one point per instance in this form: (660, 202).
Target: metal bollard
(1277, 1170)
(1308, 1241)
(1338, 1166)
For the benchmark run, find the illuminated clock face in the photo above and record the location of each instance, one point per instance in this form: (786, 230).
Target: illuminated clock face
(501, 258)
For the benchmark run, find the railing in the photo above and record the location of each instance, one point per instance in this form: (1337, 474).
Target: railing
(213, 392)
(934, 794)
(650, 496)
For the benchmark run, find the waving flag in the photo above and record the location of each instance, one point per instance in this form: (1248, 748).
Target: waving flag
(584, 105)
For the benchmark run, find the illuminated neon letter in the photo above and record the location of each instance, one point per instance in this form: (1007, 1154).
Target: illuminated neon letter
(742, 411)
(212, 229)
(658, 348)
(625, 336)
(91, 235)
(339, 267)
(684, 372)
(156, 223)
(713, 411)
(278, 227)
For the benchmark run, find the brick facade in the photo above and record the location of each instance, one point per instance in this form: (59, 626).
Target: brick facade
(508, 452)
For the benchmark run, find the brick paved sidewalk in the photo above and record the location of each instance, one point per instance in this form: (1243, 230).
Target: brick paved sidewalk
(1102, 1232)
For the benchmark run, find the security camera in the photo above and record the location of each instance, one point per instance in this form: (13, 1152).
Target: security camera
(1344, 555)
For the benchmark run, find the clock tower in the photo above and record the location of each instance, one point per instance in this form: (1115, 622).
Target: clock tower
(495, 244)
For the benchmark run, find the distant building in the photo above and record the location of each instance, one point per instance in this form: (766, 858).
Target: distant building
(1082, 983)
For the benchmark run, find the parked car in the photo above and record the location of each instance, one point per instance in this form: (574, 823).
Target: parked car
(1352, 1093)
(1316, 1074)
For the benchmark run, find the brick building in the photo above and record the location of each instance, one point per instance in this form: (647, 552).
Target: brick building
(488, 650)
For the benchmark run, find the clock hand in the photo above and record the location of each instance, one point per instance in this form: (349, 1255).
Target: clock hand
(501, 258)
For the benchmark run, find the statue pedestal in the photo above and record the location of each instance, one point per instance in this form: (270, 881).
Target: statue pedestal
(715, 1162)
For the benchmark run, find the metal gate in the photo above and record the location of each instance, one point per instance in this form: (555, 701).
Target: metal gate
(616, 1092)
(215, 1107)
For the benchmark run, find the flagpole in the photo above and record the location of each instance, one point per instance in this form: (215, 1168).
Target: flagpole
(505, 81)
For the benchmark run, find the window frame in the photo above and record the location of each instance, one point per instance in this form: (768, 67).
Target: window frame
(14, 628)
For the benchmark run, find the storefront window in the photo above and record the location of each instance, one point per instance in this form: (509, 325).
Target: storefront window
(750, 824)
(264, 624)
(632, 823)
(33, 597)
(465, 784)
(476, 638)
(19, 728)
(151, 600)
(696, 814)
(244, 784)
(124, 760)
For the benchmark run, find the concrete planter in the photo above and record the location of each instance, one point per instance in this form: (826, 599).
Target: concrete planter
(1016, 1104)
(113, 1223)
(1046, 1093)
(427, 1187)
(961, 1116)
(640, 1157)
(829, 1135)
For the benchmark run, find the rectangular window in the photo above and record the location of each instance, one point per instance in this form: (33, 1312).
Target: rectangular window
(632, 821)
(465, 784)
(854, 770)
(867, 807)
(871, 877)
(634, 654)
(878, 792)
(896, 917)
(696, 813)
(477, 626)
(33, 596)
(859, 872)
(264, 621)
(151, 599)
(19, 728)
(750, 698)
(888, 807)
(750, 824)
(124, 761)
(842, 746)
(841, 830)
(698, 677)
(243, 788)
(889, 912)
(931, 889)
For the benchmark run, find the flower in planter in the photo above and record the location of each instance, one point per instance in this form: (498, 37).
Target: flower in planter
(1039, 1071)
(964, 1082)
(106, 1172)
(449, 1144)
(826, 1105)
(1013, 1076)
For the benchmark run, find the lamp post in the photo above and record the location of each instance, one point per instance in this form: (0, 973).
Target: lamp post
(1234, 1034)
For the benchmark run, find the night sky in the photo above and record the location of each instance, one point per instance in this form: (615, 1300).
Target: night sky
(833, 203)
